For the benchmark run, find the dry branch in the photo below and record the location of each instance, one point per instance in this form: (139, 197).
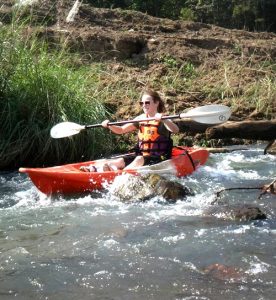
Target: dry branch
(267, 188)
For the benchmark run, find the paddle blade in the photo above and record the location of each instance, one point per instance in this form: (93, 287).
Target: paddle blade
(209, 114)
(65, 129)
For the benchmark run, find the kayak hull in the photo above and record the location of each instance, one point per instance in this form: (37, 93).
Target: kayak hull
(68, 179)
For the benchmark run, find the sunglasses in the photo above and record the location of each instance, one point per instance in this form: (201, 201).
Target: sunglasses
(144, 103)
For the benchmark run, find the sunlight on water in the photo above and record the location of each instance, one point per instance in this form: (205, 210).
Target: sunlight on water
(96, 247)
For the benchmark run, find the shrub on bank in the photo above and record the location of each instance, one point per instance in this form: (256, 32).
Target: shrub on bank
(39, 88)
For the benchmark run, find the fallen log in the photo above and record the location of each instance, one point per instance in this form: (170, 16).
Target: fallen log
(225, 150)
(253, 130)
(192, 127)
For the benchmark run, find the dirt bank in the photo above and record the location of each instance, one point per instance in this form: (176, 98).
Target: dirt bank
(141, 50)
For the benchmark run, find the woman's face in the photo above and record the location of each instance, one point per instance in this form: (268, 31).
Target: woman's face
(148, 105)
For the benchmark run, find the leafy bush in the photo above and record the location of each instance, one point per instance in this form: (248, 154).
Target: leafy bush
(39, 88)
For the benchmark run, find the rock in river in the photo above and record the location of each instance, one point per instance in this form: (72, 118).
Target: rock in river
(243, 212)
(130, 188)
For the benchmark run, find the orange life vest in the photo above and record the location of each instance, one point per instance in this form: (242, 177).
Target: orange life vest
(151, 142)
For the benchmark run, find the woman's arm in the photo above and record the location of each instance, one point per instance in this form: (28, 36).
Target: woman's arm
(119, 129)
(171, 126)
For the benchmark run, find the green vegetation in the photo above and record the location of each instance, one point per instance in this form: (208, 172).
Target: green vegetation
(249, 86)
(258, 15)
(39, 88)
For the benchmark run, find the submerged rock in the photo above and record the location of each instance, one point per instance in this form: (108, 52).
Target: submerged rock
(131, 188)
(223, 272)
(270, 188)
(236, 212)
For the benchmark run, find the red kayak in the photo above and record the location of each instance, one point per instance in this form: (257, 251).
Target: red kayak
(69, 179)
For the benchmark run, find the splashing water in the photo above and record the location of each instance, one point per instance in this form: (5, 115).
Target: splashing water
(95, 247)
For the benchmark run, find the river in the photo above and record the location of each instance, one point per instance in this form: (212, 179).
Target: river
(95, 247)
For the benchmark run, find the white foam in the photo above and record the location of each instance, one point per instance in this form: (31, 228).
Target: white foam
(200, 232)
(174, 239)
(256, 266)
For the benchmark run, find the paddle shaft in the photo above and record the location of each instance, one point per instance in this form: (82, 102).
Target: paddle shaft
(132, 121)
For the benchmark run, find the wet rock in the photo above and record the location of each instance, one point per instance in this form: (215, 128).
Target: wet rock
(169, 190)
(270, 188)
(130, 188)
(117, 232)
(236, 212)
(223, 272)
(270, 148)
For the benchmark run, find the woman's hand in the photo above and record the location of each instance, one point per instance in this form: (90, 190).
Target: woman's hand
(105, 123)
(158, 117)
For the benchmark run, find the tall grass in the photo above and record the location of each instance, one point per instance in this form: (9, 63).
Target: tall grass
(262, 95)
(39, 88)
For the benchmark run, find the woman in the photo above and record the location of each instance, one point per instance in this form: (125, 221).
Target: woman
(154, 142)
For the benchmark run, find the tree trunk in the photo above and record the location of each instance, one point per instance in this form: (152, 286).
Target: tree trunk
(255, 130)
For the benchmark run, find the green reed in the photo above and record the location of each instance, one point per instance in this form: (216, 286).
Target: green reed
(39, 88)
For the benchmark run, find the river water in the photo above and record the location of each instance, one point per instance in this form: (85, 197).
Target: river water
(95, 247)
